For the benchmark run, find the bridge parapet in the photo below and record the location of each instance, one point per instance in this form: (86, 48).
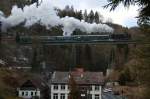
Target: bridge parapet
(77, 39)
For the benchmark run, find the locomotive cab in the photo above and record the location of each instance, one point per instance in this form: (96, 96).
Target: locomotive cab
(120, 36)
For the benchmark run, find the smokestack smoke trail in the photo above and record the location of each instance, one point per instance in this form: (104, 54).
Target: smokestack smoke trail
(47, 16)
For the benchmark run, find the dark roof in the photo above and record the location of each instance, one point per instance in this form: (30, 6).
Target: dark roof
(80, 77)
(34, 83)
(60, 77)
(28, 85)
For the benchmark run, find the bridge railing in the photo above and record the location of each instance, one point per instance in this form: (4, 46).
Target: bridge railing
(74, 39)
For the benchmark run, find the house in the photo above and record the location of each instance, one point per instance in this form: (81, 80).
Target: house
(29, 90)
(89, 84)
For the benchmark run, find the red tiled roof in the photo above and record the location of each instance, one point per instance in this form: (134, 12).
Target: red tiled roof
(79, 76)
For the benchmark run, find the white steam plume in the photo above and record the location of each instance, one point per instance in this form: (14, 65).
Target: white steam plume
(47, 16)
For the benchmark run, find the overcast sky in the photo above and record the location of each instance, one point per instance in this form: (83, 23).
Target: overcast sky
(123, 16)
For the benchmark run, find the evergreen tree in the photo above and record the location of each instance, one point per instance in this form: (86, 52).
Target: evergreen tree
(35, 1)
(85, 16)
(91, 17)
(67, 10)
(72, 12)
(96, 17)
(21, 3)
(6, 5)
(79, 15)
(63, 13)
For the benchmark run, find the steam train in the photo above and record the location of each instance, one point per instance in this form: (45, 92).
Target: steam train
(74, 38)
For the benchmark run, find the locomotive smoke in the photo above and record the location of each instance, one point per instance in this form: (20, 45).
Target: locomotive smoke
(47, 16)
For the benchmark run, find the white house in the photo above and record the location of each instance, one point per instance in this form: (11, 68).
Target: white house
(28, 90)
(89, 83)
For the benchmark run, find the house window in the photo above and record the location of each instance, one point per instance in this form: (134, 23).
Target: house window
(83, 88)
(35, 93)
(90, 87)
(89, 96)
(63, 87)
(22, 93)
(31, 93)
(62, 96)
(26, 94)
(96, 96)
(55, 87)
(96, 87)
(55, 96)
(68, 87)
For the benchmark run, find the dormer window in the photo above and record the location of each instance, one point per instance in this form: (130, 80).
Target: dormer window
(62, 87)
(22, 93)
(35, 93)
(90, 88)
(31, 93)
(55, 87)
(26, 93)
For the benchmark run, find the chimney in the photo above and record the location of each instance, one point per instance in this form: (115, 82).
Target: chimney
(69, 76)
(80, 72)
(108, 72)
(82, 75)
